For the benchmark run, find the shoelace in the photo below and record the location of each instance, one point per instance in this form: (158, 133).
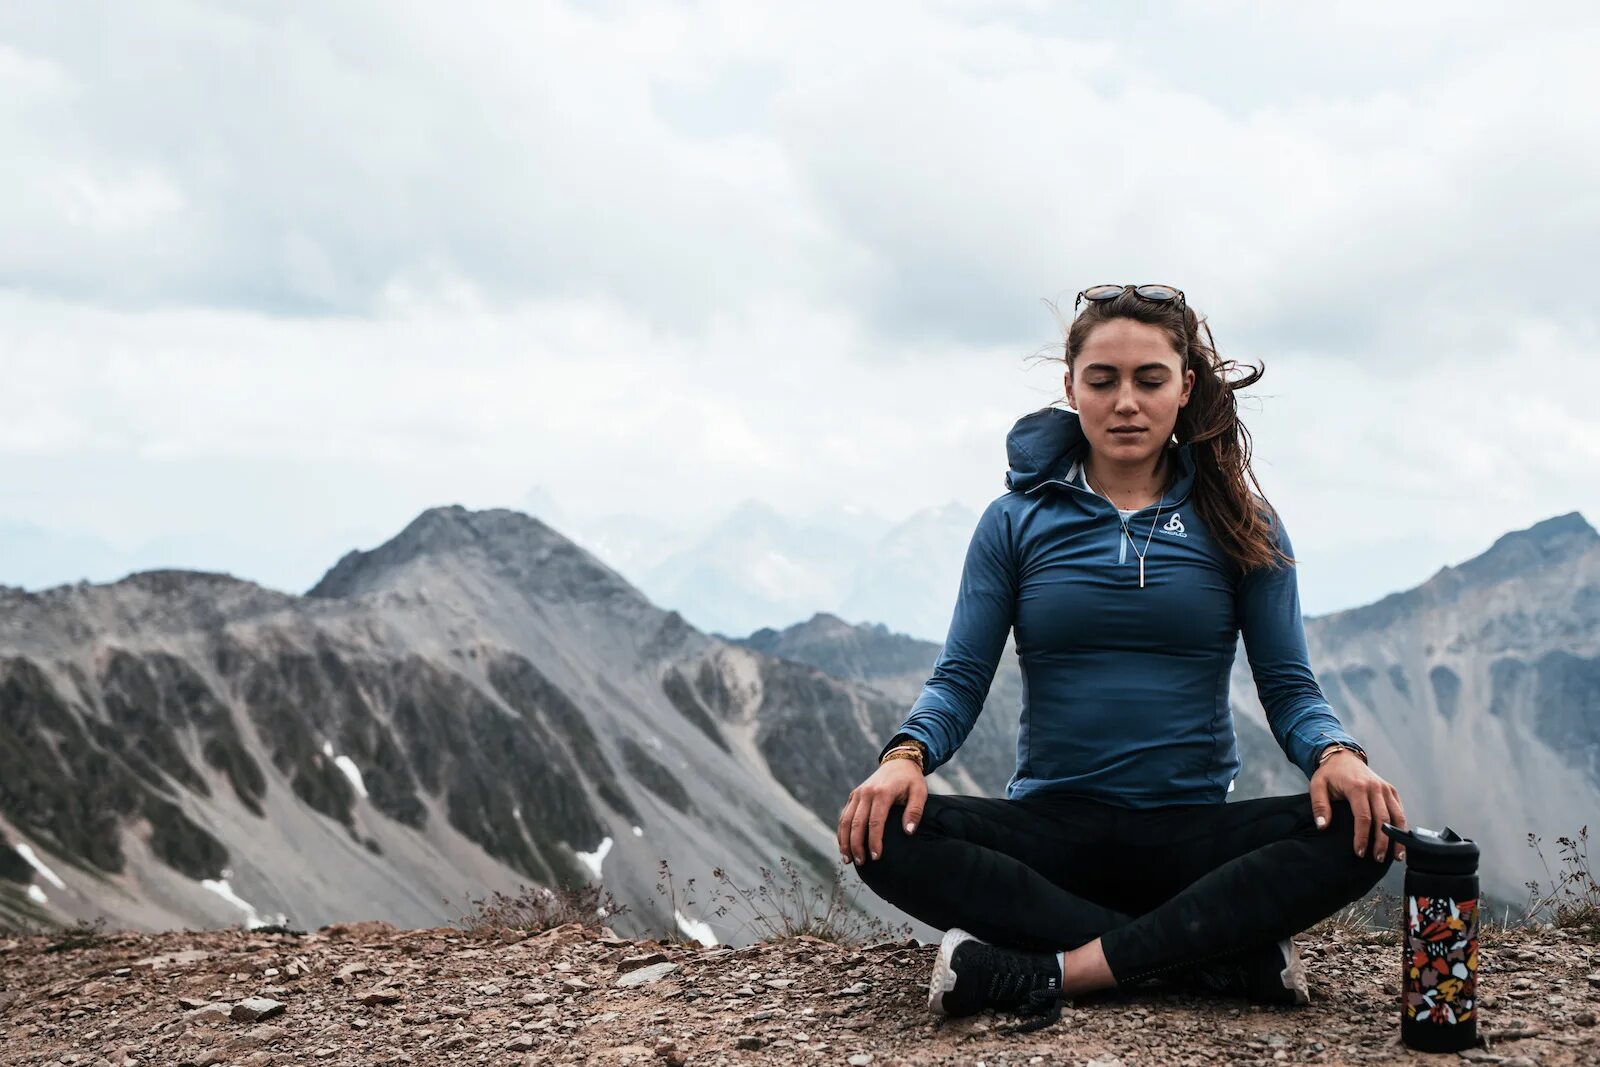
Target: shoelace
(1044, 1005)
(1007, 980)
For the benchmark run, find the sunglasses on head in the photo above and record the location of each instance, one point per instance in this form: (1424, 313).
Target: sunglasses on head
(1157, 293)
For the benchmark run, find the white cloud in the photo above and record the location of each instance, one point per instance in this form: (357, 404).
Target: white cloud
(272, 288)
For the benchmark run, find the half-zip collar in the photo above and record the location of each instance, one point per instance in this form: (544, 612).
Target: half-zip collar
(1043, 445)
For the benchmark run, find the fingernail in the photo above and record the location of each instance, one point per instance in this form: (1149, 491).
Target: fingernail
(843, 858)
(911, 827)
(874, 855)
(1399, 853)
(1321, 822)
(1362, 851)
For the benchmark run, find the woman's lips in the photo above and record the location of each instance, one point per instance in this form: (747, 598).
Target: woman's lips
(1127, 433)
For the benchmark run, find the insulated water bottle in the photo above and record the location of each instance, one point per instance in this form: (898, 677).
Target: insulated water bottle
(1439, 940)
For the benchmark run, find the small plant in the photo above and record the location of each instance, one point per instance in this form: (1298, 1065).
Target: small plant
(674, 934)
(1573, 901)
(21, 926)
(799, 911)
(1375, 918)
(81, 934)
(539, 908)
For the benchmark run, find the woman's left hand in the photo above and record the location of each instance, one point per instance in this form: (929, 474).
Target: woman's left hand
(1373, 801)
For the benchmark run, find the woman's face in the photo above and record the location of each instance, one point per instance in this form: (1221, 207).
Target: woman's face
(1127, 374)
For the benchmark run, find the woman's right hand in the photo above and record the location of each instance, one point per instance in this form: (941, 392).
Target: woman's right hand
(898, 781)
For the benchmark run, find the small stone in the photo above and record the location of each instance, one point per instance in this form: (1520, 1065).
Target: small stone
(748, 1041)
(1584, 1018)
(172, 959)
(254, 1009)
(778, 983)
(349, 971)
(522, 1043)
(489, 989)
(633, 963)
(861, 1059)
(533, 1000)
(210, 1014)
(644, 975)
(380, 995)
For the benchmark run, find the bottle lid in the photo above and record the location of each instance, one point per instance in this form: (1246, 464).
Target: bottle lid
(1435, 852)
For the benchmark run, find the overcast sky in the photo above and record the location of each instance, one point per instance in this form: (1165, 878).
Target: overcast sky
(276, 277)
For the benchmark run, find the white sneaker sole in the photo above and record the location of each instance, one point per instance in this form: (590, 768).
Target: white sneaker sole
(943, 978)
(1294, 973)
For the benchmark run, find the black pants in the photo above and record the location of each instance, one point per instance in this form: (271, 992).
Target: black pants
(1163, 888)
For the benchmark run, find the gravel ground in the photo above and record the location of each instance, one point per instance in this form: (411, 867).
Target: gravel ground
(368, 993)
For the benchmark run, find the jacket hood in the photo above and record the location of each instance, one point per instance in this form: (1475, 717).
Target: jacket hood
(1043, 445)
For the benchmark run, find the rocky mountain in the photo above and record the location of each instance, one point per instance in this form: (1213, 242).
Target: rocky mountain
(476, 704)
(480, 703)
(1477, 693)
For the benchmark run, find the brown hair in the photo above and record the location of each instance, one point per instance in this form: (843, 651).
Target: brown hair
(1238, 519)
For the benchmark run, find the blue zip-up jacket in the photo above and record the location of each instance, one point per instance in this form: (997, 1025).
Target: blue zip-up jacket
(1124, 690)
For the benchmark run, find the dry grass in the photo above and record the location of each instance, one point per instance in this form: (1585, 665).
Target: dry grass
(1374, 918)
(1573, 900)
(81, 934)
(776, 912)
(538, 908)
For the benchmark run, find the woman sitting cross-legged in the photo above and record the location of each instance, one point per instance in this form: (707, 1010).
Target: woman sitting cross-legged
(1128, 554)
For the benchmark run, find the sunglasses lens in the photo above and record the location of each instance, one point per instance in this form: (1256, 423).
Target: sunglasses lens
(1157, 292)
(1102, 292)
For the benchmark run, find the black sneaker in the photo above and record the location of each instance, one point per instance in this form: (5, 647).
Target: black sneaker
(1269, 975)
(970, 975)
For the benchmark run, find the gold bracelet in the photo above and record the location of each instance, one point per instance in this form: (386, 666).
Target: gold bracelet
(1337, 747)
(909, 750)
(903, 753)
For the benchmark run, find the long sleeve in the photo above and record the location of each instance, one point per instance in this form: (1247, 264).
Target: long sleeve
(950, 701)
(1301, 719)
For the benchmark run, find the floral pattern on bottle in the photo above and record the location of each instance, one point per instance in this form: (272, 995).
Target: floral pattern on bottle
(1441, 959)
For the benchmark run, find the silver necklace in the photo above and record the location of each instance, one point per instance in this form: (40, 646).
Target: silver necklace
(1136, 550)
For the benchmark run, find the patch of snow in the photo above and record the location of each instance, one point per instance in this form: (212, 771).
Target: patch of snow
(38, 864)
(593, 859)
(222, 889)
(36, 894)
(696, 929)
(327, 749)
(637, 832)
(352, 772)
(516, 811)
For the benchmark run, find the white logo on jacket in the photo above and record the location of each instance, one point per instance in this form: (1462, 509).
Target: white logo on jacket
(1174, 525)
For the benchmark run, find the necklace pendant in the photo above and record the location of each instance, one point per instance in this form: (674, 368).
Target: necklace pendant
(1141, 572)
